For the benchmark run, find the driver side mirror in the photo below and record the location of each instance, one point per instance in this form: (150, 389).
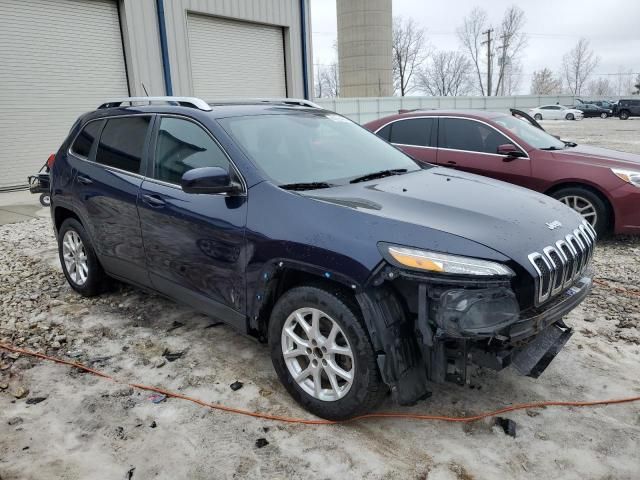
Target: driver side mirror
(209, 180)
(510, 151)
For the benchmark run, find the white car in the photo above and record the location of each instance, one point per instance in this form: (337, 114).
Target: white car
(555, 112)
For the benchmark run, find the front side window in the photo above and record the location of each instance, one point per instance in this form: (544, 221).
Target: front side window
(182, 146)
(307, 147)
(122, 143)
(469, 135)
(535, 137)
(84, 141)
(414, 131)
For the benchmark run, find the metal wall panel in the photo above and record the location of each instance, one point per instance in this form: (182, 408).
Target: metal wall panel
(58, 59)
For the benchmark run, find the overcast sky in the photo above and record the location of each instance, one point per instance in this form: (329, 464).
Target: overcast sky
(553, 28)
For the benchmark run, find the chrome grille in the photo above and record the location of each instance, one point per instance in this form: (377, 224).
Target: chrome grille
(559, 265)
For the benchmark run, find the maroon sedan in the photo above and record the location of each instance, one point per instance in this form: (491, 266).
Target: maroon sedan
(602, 185)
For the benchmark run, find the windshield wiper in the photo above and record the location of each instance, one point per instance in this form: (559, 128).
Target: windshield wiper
(380, 174)
(305, 186)
(571, 144)
(552, 148)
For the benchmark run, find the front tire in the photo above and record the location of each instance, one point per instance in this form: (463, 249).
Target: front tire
(538, 116)
(45, 200)
(570, 116)
(588, 204)
(322, 353)
(78, 259)
(604, 115)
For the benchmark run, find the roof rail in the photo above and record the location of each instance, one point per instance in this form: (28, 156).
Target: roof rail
(182, 101)
(284, 101)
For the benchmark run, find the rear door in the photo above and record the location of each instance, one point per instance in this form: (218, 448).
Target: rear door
(194, 243)
(415, 136)
(472, 146)
(106, 185)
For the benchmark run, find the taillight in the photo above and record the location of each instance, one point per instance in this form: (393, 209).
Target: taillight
(50, 160)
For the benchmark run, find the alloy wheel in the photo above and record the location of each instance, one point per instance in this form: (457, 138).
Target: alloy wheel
(583, 206)
(75, 257)
(603, 115)
(317, 354)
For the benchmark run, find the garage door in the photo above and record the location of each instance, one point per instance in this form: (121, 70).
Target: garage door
(231, 59)
(58, 59)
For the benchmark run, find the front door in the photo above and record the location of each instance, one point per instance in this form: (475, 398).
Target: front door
(194, 243)
(470, 145)
(106, 185)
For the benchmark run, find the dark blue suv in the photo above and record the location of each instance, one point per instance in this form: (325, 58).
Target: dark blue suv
(365, 271)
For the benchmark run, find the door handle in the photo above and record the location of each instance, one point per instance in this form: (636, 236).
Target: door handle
(153, 200)
(84, 180)
(451, 162)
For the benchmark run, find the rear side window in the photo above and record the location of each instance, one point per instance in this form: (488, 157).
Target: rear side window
(414, 131)
(182, 146)
(122, 143)
(469, 135)
(84, 141)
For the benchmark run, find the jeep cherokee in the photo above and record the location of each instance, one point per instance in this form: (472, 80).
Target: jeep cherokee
(365, 271)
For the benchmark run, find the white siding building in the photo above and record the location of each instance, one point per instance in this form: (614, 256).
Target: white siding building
(60, 58)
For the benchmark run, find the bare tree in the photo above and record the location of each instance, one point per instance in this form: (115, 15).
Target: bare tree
(446, 74)
(513, 42)
(624, 81)
(544, 82)
(600, 87)
(578, 64)
(326, 80)
(470, 35)
(512, 78)
(409, 51)
(637, 85)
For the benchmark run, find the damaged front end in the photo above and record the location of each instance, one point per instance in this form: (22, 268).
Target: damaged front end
(431, 328)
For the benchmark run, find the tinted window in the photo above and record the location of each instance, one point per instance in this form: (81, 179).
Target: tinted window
(385, 132)
(415, 131)
(122, 143)
(182, 146)
(84, 141)
(469, 135)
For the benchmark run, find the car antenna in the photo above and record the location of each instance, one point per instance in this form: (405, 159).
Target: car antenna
(144, 88)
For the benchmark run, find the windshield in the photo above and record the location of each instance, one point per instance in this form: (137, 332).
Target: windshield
(313, 147)
(533, 136)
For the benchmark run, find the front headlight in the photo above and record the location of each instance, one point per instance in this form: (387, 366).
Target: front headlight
(628, 176)
(445, 263)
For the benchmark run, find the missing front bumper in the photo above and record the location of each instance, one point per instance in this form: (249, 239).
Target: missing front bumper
(534, 358)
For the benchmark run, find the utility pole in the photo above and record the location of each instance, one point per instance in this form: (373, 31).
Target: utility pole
(503, 64)
(488, 43)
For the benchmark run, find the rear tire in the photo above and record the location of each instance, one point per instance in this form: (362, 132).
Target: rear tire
(45, 200)
(538, 116)
(570, 116)
(315, 324)
(78, 259)
(588, 204)
(624, 115)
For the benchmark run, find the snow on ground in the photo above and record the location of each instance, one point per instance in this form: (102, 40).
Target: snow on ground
(91, 428)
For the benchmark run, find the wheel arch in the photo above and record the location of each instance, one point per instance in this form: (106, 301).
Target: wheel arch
(60, 214)
(593, 189)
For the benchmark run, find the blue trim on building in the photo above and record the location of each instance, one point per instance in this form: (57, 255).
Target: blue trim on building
(162, 28)
(303, 33)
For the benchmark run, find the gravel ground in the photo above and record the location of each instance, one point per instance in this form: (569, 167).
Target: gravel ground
(56, 422)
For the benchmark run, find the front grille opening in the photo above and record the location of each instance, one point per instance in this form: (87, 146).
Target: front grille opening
(570, 262)
(553, 255)
(545, 278)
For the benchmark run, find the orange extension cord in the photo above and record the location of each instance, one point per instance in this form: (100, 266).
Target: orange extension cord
(278, 418)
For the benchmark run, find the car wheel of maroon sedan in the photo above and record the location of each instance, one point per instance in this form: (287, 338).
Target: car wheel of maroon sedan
(587, 204)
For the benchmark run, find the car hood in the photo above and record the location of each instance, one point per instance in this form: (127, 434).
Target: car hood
(506, 218)
(600, 156)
